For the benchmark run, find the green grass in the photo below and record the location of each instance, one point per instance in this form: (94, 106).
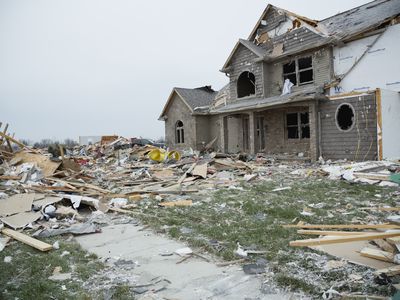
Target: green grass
(26, 276)
(253, 217)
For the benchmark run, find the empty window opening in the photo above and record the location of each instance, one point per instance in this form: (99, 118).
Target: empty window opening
(298, 125)
(246, 85)
(345, 117)
(299, 71)
(179, 133)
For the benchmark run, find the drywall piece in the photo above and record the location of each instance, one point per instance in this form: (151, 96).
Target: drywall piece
(390, 111)
(22, 219)
(200, 170)
(46, 201)
(379, 66)
(16, 204)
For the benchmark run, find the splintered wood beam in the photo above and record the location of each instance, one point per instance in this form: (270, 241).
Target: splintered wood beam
(342, 239)
(331, 232)
(377, 254)
(343, 226)
(26, 239)
(9, 138)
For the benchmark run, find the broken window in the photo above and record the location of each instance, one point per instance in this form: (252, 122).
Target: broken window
(298, 125)
(345, 117)
(246, 84)
(299, 71)
(179, 133)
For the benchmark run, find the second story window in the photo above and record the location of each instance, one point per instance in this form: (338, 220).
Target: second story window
(299, 71)
(246, 84)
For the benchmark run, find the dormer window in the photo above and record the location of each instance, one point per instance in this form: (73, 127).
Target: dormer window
(299, 71)
(246, 84)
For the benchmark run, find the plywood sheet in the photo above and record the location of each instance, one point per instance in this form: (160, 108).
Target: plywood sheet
(43, 162)
(350, 252)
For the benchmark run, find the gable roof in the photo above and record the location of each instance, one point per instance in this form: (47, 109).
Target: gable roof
(361, 18)
(193, 98)
(260, 52)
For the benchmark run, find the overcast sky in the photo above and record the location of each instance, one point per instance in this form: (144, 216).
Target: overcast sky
(97, 67)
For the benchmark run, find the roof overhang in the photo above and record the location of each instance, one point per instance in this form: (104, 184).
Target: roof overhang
(238, 43)
(263, 103)
(170, 98)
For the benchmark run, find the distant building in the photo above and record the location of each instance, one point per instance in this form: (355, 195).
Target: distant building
(88, 140)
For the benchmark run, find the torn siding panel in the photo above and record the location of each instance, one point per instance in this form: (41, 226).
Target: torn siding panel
(379, 68)
(390, 111)
(358, 143)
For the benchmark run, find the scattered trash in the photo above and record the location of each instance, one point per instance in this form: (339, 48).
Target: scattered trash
(183, 251)
(7, 259)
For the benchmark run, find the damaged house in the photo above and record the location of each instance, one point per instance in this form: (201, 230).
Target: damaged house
(322, 88)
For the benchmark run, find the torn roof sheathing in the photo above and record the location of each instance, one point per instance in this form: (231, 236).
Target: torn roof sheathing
(361, 18)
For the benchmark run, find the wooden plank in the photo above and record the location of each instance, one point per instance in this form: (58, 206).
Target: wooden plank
(377, 254)
(176, 203)
(373, 176)
(7, 137)
(390, 271)
(26, 239)
(344, 226)
(381, 208)
(342, 239)
(330, 232)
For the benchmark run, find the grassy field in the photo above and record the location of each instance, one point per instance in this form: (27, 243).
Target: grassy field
(253, 214)
(26, 276)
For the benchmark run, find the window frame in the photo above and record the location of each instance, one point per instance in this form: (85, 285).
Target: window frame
(297, 70)
(179, 133)
(299, 126)
(250, 80)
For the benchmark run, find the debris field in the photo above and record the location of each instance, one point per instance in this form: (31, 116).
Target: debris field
(325, 229)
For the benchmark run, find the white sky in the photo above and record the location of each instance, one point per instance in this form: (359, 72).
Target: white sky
(97, 67)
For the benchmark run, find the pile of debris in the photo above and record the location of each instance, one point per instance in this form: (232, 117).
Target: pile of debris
(55, 195)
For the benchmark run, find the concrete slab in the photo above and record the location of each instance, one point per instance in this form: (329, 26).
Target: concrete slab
(192, 279)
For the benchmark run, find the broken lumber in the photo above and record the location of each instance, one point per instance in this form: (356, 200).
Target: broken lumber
(372, 176)
(342, 239)
(377, 254)
(343, 226)
(390, 271)
(384, 245)
(9, 138)
(187, 172)
(393, 240)
(332, 233)
(26, 239)
(176, 203)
